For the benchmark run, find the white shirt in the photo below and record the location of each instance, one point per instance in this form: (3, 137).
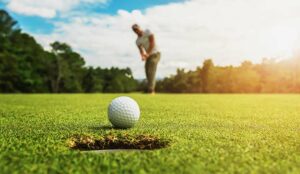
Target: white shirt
(145, 43)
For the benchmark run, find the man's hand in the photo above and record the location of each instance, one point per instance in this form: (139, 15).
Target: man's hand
(143, 53)
(145, 56)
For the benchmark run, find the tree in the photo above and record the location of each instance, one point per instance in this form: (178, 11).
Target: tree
(206, 74)
(68, 69)
(26, 67)
(8, 25)
(92, 81)
(21, 59)
(268, 77)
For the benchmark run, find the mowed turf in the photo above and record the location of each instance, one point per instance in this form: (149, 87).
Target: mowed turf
(208, 133)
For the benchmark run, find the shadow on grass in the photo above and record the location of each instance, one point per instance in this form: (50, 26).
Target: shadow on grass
(104, 127)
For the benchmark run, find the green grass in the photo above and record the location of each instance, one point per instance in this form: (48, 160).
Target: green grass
(208, 133)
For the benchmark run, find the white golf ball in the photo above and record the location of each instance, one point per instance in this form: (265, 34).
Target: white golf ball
(123, 112)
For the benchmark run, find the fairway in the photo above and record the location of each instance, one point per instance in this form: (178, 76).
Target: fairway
(208, 133)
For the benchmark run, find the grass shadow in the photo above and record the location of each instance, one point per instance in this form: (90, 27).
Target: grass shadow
(104, 127)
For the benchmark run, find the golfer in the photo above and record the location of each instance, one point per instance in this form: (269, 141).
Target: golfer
(149, 53)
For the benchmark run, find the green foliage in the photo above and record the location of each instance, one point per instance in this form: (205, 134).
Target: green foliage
(26, 67)
(268, 77)
(69, 69)
(109, 80)
(22, 60)
(7, 24)
(208, 133)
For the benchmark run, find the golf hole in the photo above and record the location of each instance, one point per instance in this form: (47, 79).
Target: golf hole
(116, 142)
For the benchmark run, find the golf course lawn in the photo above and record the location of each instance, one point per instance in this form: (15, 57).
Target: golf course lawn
(208, 133)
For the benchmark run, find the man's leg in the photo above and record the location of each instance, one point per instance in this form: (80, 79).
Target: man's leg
(150, 67)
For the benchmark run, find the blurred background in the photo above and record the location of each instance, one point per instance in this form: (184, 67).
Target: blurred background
(87, 46)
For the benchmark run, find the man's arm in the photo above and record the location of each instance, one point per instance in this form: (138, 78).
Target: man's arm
(142, 52)
(151, 42)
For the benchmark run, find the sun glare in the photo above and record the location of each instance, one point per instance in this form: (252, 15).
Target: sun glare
(283, 41)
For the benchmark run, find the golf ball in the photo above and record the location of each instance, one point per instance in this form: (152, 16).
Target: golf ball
(123, 112)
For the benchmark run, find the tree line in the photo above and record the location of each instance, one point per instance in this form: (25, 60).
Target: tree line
(26, 67)
(270, 76)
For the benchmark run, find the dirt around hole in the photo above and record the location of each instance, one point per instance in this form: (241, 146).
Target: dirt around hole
(117, 141)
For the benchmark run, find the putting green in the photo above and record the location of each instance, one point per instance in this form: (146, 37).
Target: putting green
(208, 133)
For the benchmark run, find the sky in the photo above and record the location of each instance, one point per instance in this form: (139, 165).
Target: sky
(186, 31)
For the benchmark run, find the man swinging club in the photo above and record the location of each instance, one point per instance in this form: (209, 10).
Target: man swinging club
(149, 53)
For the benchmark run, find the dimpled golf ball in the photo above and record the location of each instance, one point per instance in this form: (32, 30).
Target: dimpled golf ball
(123, 112)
